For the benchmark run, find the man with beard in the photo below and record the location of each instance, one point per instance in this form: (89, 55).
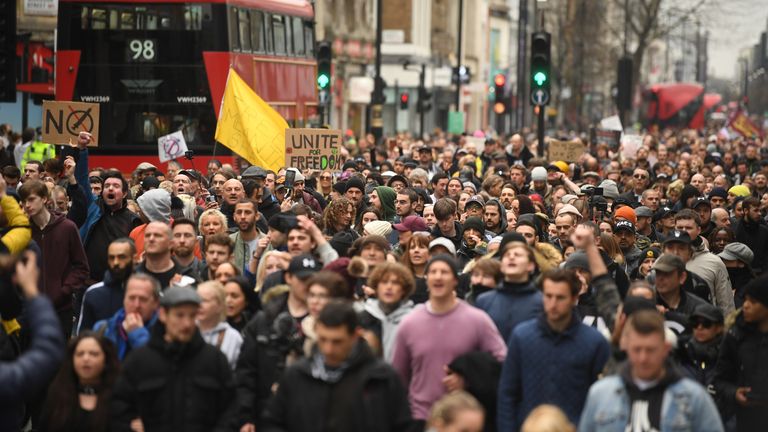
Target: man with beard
(507, 196)
(158, 261)
(108, 217)
(495, 218)
(625, 235)
(103, 299)
(405, 202)
(184, 243)
(247, 237)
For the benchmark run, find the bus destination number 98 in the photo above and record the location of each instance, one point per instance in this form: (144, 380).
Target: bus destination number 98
(142, 50)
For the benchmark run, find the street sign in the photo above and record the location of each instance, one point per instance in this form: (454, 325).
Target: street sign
(540, 97)
(63, 121)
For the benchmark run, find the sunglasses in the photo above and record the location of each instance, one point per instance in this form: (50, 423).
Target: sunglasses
(704, 323)
(325, 177)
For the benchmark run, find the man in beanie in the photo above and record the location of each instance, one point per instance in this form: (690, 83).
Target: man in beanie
(718, 197)
(355, 192)
(421, 358)
(474, 242)
(176, 381)
(740, 376)
(539, 183)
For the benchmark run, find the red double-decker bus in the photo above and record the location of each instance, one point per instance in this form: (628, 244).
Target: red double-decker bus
(157, 67)
(678, 105)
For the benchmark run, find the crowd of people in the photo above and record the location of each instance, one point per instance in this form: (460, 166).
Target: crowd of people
(434, 284)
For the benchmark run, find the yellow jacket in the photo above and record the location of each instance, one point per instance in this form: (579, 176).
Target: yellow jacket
(19, 234)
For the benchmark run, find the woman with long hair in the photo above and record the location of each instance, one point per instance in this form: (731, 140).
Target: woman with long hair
(611, 247)
(415, 258)
(370, 214)
(269, 263)
(79, 396)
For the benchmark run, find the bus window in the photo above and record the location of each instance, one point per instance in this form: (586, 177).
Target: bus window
(257, 31)
(234, 41)
(288, 36)
(244, 30)
(309, 39)
(269, 46)
(84, 18)
(98, 19)
(126, 21)
(298, 36)
(278, 29)
(193, 17)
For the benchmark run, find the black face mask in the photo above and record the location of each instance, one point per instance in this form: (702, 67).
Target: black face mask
(480, 288)
(739, 274)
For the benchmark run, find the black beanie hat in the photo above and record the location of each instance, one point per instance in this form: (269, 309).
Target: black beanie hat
(508, 238)
(475, 223)
(446, 259)
(355, 182)
(758, 289)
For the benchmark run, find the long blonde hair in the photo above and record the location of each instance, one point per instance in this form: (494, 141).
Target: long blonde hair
(547, 418)
(261, 270)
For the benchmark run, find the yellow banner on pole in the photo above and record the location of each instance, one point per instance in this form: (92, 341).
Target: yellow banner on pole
(249, 126)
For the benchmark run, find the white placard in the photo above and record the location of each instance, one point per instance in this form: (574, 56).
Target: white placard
(611, 123)
(171, 146)
(41, 7)
(630, 144)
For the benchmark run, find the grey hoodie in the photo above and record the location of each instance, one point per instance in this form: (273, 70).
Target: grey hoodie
(156, 205)
(389, 323)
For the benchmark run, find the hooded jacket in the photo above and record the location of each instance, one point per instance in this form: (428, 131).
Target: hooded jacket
(754, 235)
(65, 266)
(174, 387)
(364, 394)
(384, 325)
(502, 214)
(510, 304)
(436, 233)
(387, 197)
(124, 342)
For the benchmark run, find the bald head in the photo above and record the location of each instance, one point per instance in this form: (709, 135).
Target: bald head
(699, 182)
(720, 217)
(232, 191)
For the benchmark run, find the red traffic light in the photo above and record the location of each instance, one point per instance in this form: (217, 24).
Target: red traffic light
(404, 98)
(499, 80)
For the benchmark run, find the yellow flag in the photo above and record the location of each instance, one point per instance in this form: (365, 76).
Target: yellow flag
(250, 127)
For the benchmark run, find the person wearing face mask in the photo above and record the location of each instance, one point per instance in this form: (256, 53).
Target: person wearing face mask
(738, 259)
(485, 276)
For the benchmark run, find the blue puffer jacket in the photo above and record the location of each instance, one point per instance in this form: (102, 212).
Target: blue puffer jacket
(545, 367)
(125, 342)
(686, 407)
(510, 304)
(34, 369)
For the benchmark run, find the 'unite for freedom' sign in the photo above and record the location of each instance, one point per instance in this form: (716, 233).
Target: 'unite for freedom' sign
(313, 149)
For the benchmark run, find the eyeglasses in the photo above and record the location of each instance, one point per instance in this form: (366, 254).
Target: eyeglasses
(325, 177)
(704, 323)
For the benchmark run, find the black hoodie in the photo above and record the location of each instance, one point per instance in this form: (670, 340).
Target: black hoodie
(646, 402)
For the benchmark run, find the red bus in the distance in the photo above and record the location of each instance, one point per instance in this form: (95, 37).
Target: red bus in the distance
(158, 67)
(677, 105)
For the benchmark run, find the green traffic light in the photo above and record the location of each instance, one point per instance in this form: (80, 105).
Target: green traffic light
(540, 78)
(323, 80)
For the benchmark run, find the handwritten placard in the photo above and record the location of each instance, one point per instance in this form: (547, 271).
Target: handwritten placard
(568, 151)
(313, 149)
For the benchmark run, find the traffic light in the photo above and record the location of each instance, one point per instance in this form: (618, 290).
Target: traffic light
(499, 104)
(624, 84)
(461, 75)
(540, 61)
(324, 59)
(424, 103)
(8, 51)
(404, 101)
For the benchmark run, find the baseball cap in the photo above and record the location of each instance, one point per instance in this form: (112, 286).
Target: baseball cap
(411, 223)
(668, 262)
(424, 148)
(678, 237)
(475, 199)
(624, 225)
(643, 211)
(700, 201)
(283, 222)
(304, 266)
(192, 174)
(708, 312)
(178, 295)
(663, 212)
(144, 166)
(444, 242)
(737, 252)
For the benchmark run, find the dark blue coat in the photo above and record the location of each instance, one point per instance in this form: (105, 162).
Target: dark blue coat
(544, 367)
(33, 370)
(510, 304)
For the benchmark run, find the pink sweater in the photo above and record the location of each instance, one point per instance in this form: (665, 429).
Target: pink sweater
(426, 342)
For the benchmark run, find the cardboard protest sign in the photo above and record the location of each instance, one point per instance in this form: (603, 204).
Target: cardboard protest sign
(171, 146)
(568, 151)
(63, 121)
(313, 149)
(478, 142)
(609, 137)
(630, 144)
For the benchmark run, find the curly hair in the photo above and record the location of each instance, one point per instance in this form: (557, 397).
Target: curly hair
(333, 213)
(401, 272)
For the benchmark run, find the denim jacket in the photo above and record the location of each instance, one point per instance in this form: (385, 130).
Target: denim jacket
(686, 407)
